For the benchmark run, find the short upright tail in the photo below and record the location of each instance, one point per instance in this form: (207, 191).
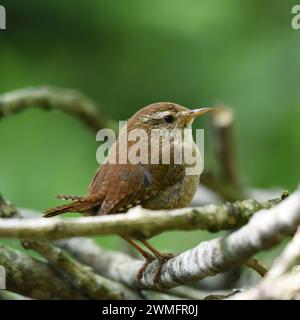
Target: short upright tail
(80, 205)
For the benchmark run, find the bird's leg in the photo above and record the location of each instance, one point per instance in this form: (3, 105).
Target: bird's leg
(149, 257)
(161, 257)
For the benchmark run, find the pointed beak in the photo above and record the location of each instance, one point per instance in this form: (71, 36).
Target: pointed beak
(191, 115)
(199, 112)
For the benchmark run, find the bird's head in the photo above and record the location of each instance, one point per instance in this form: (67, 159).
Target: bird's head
(165, 115)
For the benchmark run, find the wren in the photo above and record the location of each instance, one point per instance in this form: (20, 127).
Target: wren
(156, 185)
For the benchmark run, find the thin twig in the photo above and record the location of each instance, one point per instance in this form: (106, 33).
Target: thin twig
(257, 266)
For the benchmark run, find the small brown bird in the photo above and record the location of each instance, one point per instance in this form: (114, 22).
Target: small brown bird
(156, 184)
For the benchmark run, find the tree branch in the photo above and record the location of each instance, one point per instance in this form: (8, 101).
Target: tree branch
(112, 264)
(83, 278)
(264, 230)
(255, 265)
(80, 276)
(226, 181)
(34, 278)
(138, 222)
(47, 98)
(223, 120)
(283, 279)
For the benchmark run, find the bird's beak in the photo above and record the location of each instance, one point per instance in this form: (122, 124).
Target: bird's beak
(191, 115)
(199, 112)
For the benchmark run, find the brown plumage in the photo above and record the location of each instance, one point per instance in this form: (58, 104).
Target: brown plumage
(117, 187)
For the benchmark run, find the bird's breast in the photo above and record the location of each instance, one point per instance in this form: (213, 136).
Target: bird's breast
(178, 195)
(181, 193)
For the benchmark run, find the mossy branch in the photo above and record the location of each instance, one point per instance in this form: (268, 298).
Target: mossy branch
(34, 278)
(138, 222)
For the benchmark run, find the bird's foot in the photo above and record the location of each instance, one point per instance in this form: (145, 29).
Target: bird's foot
(149, 258)
(162, 259)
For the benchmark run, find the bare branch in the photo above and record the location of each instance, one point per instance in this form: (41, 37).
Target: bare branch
(225, 181)
(283, 279)
(255, 265)
(82, 277)
(263, 231)
(112, 264)
(138, 222)
(223, 120)
(30, 277)
(67, 100)
(75, 272)
(288, 259)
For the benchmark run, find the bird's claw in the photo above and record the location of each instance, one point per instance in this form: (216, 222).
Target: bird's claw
(149, 258)
(162, 259)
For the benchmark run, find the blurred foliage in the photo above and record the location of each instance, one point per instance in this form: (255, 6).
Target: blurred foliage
(128, 54)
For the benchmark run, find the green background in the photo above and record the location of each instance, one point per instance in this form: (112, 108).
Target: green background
(127, 54)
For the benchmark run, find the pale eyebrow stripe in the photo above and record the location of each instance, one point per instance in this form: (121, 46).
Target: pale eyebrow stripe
(160, 115)
(157, 116)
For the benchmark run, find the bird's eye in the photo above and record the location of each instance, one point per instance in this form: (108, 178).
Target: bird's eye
(168, 118)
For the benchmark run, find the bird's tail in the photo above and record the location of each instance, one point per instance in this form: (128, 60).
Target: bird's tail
(68, 197)
(80, 204)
